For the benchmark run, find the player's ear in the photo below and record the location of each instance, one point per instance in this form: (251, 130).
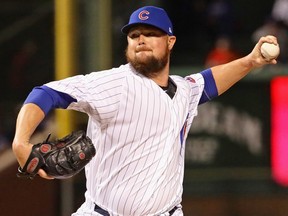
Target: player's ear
(171, 41)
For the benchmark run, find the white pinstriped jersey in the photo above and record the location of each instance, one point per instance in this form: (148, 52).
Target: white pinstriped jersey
(139, 133)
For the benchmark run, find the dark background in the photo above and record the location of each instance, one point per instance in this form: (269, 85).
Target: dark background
(233, 182)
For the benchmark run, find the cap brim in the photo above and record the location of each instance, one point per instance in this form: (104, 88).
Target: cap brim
(126, 28)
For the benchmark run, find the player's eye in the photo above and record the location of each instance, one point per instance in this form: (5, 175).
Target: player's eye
(133, 35)
(150, 34)
(154, 34)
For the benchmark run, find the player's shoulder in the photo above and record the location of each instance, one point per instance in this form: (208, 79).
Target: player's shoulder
(116, 73)
(122, 69)
(193, 83)
(196, 79)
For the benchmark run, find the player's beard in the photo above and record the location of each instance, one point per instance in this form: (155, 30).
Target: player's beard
(151, 66)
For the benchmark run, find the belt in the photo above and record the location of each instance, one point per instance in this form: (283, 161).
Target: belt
(171, 212)
(103, 212)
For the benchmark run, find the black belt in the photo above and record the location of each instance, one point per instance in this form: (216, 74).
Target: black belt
(171, 212)
(103, 212)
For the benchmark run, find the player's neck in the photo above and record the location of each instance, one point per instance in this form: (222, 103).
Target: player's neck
(162, 77)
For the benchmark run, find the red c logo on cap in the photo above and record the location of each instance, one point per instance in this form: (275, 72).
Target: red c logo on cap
(143, 15)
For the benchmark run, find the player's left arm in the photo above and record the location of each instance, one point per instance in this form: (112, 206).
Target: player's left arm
(227, 75)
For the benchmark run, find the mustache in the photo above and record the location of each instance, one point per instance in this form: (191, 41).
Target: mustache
(141, 48)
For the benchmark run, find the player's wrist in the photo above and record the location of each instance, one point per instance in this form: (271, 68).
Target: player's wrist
(21, 150)
(247, 63)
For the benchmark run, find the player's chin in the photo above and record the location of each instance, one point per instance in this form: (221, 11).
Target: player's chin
(44, 175)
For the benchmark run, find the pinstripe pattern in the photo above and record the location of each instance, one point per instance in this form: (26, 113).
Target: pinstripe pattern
(135, 126)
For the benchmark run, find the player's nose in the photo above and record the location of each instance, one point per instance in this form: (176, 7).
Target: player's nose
(141, 39)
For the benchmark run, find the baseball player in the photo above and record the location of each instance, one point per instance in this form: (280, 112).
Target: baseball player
(139, 116)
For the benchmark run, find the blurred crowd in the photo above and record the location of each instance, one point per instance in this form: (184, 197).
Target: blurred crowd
(207, 34)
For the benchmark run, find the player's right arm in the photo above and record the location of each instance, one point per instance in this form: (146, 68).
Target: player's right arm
(28, 119)
(226, 75)
(220, 78)
(39, 102)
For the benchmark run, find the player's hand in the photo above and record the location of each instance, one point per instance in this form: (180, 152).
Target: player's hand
(22, 151)
(255, 57)
(44, 175)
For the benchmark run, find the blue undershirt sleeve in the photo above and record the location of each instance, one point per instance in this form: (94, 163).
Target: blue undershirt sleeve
(210, 89)
(47, 98)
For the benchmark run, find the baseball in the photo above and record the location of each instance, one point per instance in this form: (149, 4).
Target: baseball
(270, 51)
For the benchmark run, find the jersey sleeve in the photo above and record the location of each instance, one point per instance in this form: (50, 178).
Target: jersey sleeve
(47, 98)
(210, 89)
(196, 86)
(97, 93)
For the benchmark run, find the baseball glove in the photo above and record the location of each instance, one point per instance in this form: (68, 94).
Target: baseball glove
(61, 159)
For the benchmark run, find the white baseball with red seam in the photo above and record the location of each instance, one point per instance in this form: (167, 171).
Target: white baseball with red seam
(270, 51)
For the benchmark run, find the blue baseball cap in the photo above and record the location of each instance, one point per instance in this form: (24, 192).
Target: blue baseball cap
(150, 15)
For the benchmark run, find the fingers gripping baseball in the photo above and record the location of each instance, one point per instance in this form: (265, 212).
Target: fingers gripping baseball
(265, 51)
